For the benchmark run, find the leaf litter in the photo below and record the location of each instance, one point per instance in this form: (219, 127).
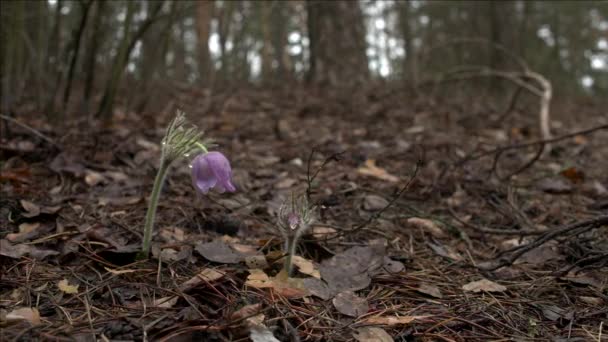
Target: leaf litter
(76, 216)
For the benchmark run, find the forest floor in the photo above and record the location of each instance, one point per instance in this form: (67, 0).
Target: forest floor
(433, 223)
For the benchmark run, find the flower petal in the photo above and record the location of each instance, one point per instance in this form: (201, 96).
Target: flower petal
(203, 177)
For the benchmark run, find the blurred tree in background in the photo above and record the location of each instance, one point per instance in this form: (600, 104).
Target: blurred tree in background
(85, 52)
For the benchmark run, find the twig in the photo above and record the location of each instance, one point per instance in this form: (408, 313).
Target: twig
(309, 179)
(502, 149)
(569, 230)
(379, 212)
(31, 130)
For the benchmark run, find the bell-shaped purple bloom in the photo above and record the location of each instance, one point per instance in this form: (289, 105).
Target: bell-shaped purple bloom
(212, 171)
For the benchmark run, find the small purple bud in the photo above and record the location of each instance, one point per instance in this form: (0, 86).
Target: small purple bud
(212, 171)
(294, 220)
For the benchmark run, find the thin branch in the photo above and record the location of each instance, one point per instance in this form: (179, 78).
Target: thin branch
(573, 229)
(379, 212)
(31, 130)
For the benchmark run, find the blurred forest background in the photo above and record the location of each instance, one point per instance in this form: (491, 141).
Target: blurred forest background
(85, 55)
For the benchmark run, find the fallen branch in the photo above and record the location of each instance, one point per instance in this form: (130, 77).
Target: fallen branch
(507, 257)
(31, 130)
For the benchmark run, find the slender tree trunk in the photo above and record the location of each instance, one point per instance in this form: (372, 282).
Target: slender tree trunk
(85, 7)
(94, 43)
(122, 57)
(204, 14)
(337, 42)
(266, 41)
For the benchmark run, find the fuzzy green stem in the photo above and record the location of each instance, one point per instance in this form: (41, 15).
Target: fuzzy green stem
(151, 213)
(290, 247)
(202, 147)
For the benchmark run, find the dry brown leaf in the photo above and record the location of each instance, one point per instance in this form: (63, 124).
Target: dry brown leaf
(321, 232)
(483, 285)
(445, 251)
(370, 169)
(26, 232)
(372, 334)
(31, 208)
(306, 266)
(165, 302)
(430, 290)
(119, 271)
(392, 320)
(206, 275)
(246, 311)
(427, 225)
(256, 261)
(24, 314)
(349, 304)
(219, 251)
(93, 178)
(65, 287)
(281, 284)
(19, 250)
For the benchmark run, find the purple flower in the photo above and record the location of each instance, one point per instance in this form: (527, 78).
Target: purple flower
(212, 171)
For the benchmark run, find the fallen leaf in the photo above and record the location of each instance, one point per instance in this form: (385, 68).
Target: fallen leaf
(349, 304)
(393, 266)
(119, 271)
(427, 225)
(350, 269)
(165, 302)
(430, 290)
(24, 314)
(256, 261)
(219, 251)
(372, 334)
(19, 250)
(206, 275)
(119, 201)
(260, 333)
(281, 284)
(321, 232)
(31, 209)
(392, 320)
(594, 301)
(370, 169)
(27, 231)
(285, 183)
(483, 285)
(246, 311)
(574, 175)
(318, 288)
(374, 202)
(553, 313)
(554, 185)
(65, 287)
(93, 178)
(306, 266)
(445, 251)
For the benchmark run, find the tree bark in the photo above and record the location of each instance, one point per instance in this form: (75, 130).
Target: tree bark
(94, 43)
(337, 42)
(123, 55)
(204, 14)
(85, 6)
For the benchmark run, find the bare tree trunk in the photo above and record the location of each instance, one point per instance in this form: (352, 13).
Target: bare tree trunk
(266, 40)
(224, 17)
(204, 14)
(85, 7)
(337, 42)
(122, 57)
(94, 43)
(52, 60)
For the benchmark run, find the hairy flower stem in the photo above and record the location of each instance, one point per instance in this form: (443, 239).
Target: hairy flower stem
(290, 248)
(151, 213)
